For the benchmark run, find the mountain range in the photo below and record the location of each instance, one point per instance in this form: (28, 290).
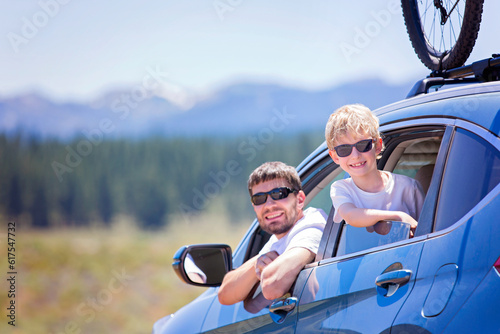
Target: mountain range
(233, 110)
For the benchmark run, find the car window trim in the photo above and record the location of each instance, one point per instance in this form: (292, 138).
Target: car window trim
(416, 122)
(330, 238)
(484, 133)
(325, 237)
(478, 130)
(373, 250)
(310, 181)
(471, 213)
(428, 213)
(487, 136)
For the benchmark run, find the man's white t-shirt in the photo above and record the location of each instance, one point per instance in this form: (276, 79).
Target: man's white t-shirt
(402, 193)
(306, 233)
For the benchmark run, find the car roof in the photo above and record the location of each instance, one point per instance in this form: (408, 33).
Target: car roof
(478, 103)
(470, 93)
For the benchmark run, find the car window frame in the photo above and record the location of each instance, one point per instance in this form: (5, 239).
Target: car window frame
(431, 201)
(318, 166)
(488, 137)
(424, 125)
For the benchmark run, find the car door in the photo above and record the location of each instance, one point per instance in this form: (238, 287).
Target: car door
(463, 244)
(348, 299)
(363, 291)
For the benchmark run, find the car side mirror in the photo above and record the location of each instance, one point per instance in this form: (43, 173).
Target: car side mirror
(203, 265)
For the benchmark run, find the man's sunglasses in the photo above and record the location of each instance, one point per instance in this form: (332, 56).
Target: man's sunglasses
(276, 194)
(362, 146)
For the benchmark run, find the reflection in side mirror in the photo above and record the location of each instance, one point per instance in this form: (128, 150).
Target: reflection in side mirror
(203, 265)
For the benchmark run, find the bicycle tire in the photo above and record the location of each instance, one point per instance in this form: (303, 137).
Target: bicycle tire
(442, 57)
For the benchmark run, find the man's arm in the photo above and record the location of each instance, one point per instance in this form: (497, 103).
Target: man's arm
(367, 217)
(238, 283)
(278, 276)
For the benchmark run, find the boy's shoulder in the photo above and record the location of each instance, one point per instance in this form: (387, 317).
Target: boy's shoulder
(404, 182)
(346, 183)
(402, 178)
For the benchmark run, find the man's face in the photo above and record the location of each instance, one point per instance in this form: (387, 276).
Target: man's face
(278, 216)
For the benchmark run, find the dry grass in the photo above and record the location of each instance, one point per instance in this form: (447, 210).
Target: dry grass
(104, 281)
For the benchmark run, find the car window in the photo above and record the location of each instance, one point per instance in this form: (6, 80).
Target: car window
(472, 171)
(414, 158)
(412, 152)
(416, 155)
(316, 184)
(354, 239)
(322, 199)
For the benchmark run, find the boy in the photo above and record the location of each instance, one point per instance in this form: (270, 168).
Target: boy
(369, 195)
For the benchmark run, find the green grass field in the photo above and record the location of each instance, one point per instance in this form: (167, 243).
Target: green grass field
(118, 280)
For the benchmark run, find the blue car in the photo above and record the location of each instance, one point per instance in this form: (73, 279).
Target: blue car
(445, 279)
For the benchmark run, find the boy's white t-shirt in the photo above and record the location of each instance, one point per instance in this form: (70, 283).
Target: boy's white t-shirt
(402, 193)
(306, 233)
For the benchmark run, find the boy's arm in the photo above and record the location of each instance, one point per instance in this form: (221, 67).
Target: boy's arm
(367, 217)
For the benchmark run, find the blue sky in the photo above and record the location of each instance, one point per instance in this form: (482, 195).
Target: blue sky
(77, 50)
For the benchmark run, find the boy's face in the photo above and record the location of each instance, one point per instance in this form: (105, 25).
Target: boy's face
(357, 163)
(278, 216)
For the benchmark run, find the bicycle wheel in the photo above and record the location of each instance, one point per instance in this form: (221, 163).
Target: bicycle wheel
(442, 32)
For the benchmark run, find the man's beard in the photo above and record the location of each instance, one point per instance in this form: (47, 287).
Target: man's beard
(290, 221)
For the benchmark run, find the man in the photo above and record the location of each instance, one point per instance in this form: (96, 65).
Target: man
(278, 200)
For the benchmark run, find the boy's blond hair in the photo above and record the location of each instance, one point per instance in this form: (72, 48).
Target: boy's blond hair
(352, 119)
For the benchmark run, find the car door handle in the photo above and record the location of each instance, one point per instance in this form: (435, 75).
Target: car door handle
(392, 280)
(280, 308)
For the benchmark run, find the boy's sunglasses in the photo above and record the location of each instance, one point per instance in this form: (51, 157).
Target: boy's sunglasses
(276, 194)
(362, 146)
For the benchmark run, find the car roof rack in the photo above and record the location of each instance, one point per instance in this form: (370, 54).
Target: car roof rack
(480, 71)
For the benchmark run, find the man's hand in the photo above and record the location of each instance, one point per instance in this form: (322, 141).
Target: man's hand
(263, 261)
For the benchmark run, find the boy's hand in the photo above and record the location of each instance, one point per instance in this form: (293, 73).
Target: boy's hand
(263, 261)
(406, 218)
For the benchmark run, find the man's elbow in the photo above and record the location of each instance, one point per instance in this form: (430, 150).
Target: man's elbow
(271, 293)
(223, 301)
(273, 288)
(224, 297)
